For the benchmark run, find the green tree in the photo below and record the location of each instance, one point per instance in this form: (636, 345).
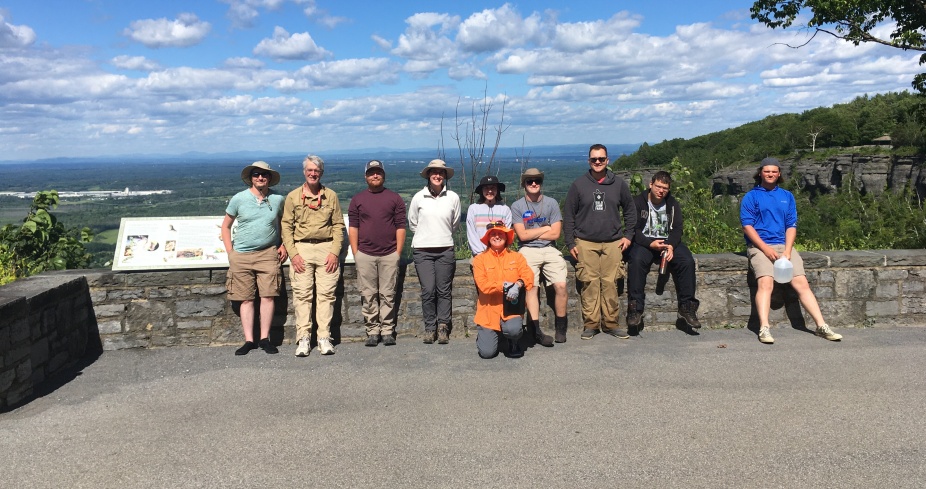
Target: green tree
(41, 242)
(855, 21)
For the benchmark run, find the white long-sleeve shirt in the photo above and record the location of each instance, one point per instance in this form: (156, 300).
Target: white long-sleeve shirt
(433, 219)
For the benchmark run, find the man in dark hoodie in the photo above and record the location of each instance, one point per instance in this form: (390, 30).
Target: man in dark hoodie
(658, 232)
(596, 205)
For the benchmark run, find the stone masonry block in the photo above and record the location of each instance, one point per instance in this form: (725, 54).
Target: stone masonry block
(882, 308)
(6, 379)
(204, 324)
(39, 353)
(122, 343)
(913, 288)
(155, 279)
(106, 310)
(913, 305)
(146, 316)
(887, 291)
(110, 327)
(19, 330)
(853, 259)
(854, 284)
(16, 355)
(200, 307)
(117, 295)
(904, 258)
(885, 274)
(167, 292)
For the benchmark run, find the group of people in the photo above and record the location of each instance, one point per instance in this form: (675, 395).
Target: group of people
(603, 226)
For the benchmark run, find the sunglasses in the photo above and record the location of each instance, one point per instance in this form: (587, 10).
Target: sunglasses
(496, 224)
(260, 174)
(600, 159)
(533, 181)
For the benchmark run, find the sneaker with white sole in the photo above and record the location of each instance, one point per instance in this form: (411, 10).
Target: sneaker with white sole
(303, 347)
(325, 346)
(824, 331)
(765, 336)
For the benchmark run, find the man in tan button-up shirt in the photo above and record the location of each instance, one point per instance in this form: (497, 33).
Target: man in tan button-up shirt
(313, 233)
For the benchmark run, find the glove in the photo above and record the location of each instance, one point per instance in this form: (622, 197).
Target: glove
(513, 292)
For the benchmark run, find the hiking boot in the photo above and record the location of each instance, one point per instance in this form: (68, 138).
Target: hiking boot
(824, 331)
(634, 315)
(267, 346)
(245, 348)
(303, 347)
(429, 336)
(388, 340)
(688, 312)
(589, 333)
(616, 332)
(514, 348)
(372, 340)
(325, 346)
(562, 327)
(539, 336)
(443, 334)
(765, 336)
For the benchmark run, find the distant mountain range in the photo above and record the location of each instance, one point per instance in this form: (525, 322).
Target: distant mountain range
(561, 151)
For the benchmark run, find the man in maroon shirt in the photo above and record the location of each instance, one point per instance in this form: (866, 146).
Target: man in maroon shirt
(376, 231)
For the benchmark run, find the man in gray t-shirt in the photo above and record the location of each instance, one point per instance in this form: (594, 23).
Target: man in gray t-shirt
(538, 223)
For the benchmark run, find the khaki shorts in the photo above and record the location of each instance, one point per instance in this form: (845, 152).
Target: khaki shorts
(763, 267)
(255, 271)
(549, 259)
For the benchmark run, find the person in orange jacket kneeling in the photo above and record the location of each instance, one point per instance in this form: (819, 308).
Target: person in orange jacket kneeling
(502, 277)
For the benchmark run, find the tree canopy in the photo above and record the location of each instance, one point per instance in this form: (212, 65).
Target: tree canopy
(855, 21)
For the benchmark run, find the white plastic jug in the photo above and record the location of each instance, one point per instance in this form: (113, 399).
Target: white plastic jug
(784, 270)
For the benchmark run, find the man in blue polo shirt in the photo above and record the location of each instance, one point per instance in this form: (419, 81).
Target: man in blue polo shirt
(768, 214)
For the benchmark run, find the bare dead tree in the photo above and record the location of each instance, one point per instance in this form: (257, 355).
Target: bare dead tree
(471, 137)
(814, 133)
(524, 159)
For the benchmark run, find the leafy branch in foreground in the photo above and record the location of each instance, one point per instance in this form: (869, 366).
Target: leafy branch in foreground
(41, 242)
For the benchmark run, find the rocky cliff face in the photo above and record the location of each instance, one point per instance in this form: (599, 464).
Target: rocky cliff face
(869, 173)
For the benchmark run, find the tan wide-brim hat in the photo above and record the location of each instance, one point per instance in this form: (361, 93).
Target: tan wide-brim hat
(530, 174)
(439, 164)
(259, 165)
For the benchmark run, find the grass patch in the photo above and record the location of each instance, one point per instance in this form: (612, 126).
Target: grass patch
(108, 237)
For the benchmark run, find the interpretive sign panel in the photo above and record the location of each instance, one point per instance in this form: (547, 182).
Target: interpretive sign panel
(148, 243)
(153, 243)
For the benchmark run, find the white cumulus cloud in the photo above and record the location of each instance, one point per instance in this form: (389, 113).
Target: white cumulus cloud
(283, 46)
(15, 36)
(186, 30)
(138, 63)
(494, 29)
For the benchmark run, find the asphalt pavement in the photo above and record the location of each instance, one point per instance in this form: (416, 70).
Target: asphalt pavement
(662, 410)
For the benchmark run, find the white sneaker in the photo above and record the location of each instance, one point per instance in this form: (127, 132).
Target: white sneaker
(765, 336)
(825, 332)
(325, 346)
(303, 347)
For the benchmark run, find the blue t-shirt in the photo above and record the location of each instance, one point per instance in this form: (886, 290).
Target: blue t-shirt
(770, 212)
(258, 227)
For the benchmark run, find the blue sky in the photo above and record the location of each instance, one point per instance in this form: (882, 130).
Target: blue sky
(102, 77)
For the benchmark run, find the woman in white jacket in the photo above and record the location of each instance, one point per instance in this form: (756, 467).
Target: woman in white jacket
(433, 215)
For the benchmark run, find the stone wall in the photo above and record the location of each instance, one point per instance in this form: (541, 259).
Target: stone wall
(46, 325)
(856, 288)
(46, 321)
